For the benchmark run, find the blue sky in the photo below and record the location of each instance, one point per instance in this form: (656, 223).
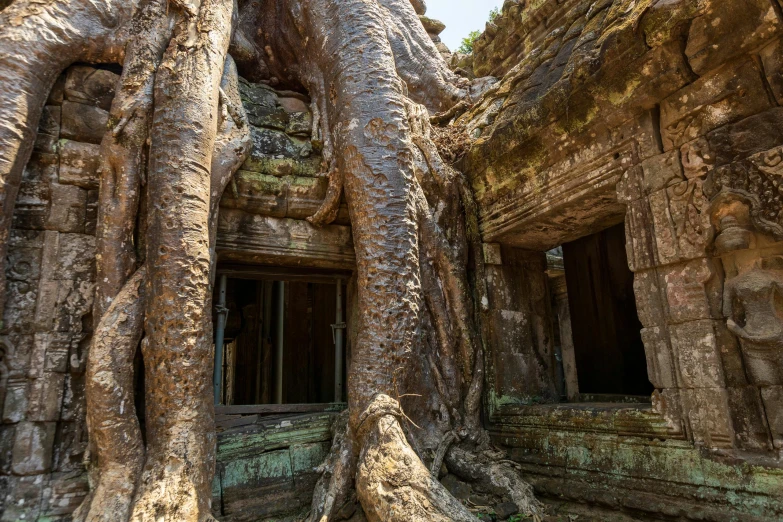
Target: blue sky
(461, 17)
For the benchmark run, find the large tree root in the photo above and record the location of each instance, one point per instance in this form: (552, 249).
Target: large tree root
(392, 482)
(115, 435)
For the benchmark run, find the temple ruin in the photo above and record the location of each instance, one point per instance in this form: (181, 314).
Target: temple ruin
(627, 168)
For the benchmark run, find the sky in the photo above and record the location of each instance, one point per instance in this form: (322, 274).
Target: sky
(461, 17)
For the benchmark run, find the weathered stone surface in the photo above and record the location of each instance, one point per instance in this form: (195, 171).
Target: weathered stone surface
(82, 122)
(729, 29)
(91, 86)
(697, 349)
(708, 416)
(773, 402)
(772, 58)
(32, 453)
(79, 163)
(67, 208)
(660, 363)
(734, 92)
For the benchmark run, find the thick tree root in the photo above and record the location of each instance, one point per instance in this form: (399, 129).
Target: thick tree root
(335, 487)
(392, 483)
(111, 413)
(486, 470)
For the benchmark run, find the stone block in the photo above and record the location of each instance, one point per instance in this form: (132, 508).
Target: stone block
(660, 362)
(57, 94)
(74, 303)
(32, 453)
(70, 444)
(64, 494)
(75, 258)
(727, 95)
(629, 187)
(73, 401)
(19, 313)
(304, 195)
(694, 290)
(747, 417)
(56, 348)
(752, 135)
(18, 348)
(91, 86)
(67, 208)
(697, 158)
(23, 264)
(681, 222)
(662, 171)
(63, 305)
(299, 124)
(24, 499)
(91, 213)
(15, 406)
(79, 163)
(696, 347)
(707, 412)
(50, 120)
(640, 236)
(773, 406)
(82, 122)
(293, 105)
(650, 304)
(772, 58)
(7, 435)
(727, 30)
(46, 397)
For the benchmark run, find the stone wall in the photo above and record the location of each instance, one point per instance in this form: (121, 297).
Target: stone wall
(665, 114)
(47, 324)
(46, 330)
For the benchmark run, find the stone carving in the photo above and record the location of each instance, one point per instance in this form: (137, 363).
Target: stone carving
(753, 304)
(755, 182)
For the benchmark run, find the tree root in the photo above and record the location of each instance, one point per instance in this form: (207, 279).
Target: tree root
(392, 483)
(111, 413)
(335, 486)
(485, 471)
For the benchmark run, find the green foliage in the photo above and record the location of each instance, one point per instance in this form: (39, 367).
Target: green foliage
(467, 43)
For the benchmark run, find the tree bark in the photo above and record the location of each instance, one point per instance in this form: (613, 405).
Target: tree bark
(177, 478)
(365, 63)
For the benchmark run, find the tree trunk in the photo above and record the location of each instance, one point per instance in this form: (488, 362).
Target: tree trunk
(366, 65)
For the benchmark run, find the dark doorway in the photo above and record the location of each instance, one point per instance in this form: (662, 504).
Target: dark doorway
(608, 346)
(267, 318)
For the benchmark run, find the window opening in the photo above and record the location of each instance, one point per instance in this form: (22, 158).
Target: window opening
(599, 343)
(279, 338)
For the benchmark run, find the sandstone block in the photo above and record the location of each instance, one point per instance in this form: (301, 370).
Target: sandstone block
(19, 313)
(492, 253)
(650, 301)
(32, 453)
(79, 163)
(15, 406)
(304, 195)
(67, 208)
(23, 264)
(696, 346)
(681, 221)
(24, 499)
(773, 406)
(707, 411)
(82, 122)
(727, 95)
(747, 417)
(694, 290)
(75, 258)
(299, 124)
(46, 397)
(662, 171)
(729, 29)
(91, 86)
(639, 233)
(629, 187)
(660, 362)
(50, 120)
(18, 349)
